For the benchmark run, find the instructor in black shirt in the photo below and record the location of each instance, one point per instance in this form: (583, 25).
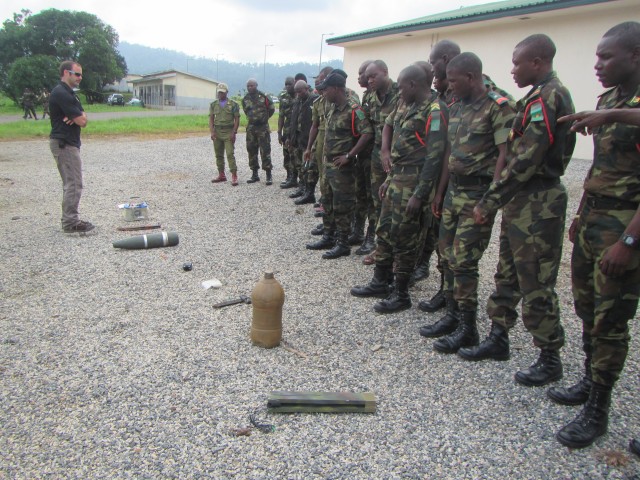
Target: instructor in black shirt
(67, 118)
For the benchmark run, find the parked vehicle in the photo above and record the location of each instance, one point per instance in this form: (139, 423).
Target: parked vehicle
(116, 99)
(136, 102)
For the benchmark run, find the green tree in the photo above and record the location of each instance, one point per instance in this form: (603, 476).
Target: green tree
(36, 72)
(63, 35)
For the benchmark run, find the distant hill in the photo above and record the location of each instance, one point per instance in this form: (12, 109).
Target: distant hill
(144, 60)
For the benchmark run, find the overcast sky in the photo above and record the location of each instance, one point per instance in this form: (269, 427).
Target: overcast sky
(238, 30)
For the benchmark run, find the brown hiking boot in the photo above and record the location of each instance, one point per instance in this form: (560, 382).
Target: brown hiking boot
(220, 178)
(234, 179)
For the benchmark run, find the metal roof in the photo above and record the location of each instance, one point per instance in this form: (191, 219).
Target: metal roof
(478, 13)
(169, 74)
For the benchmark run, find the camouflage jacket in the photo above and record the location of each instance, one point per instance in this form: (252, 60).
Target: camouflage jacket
(379, 109)
(319, 112)
(475, 131)
(538, 145)
(344, 125)
(284, 108)
(258, 108)
(28, 99)
(299, 134)
(224, 116)
(420, 139)
(449, 98)
(616, 160)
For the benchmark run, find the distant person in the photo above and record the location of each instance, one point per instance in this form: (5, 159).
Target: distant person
(28, 104)
(67, 118)
(44, 98)
(286, 98)
(258, 108)
(224, 119)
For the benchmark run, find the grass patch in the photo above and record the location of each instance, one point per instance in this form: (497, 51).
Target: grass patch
(174, 125)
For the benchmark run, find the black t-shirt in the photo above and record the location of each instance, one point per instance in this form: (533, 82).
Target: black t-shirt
(64, 103)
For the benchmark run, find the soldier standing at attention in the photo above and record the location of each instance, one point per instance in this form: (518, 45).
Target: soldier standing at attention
(286, 99)
(258, 108)
(381, 102)
(224, 119)
(534, 203)
(416, 136)
(605, 264)
(67, 118)
(364, 199)
(315, 144)
(300, 138)
(479, 125)
(348, 131)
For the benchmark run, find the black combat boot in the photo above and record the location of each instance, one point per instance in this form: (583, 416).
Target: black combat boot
(318, 230)
(326, 242)
(447, 324)
(254, 178)
(369, 242)
(269, 178)
(302, 188)
(309, 195)
(579, 393)
(547, 369)
(494, 347)
(379, 286)
(437, 302)
(591, 422)
(341, 248)
(634, 446)
(292, 181)
(399, 300)
(282, 184)
(466, 335)
(357, 232)
(422, 269)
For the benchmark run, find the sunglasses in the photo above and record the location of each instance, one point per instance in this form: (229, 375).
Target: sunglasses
(74, 73)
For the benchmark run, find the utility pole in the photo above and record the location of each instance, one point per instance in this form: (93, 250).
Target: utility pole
(264, 66)
(321, 44)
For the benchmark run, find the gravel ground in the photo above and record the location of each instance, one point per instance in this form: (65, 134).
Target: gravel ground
(113, 363)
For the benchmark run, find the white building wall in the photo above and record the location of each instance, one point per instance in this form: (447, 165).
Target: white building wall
(576, 33)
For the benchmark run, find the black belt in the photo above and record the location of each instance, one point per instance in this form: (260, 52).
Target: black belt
(541, 183)
(469, 180)
(610, 203)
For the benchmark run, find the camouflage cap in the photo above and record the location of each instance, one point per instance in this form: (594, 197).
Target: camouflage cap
(222, 87)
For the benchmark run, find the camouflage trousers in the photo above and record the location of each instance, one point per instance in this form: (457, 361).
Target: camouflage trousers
(398, 234)
(310, 170)
(604, 304)
(259, 139)
(339, 198)
(364, 199)
(287, 158)
(429, 239)
(378, 176)
(297, 157)
(531, 237)
(462, 244)
(223, 144)
(317, 152)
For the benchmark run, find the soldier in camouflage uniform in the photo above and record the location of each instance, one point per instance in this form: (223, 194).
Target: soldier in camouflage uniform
(534, 203)
(479, 125)
(364, 199)
(300, 139)
(286, 99)
(416, 136)
(348, 131)
(605, 264)
(28, 101)
(258, 108)
(224, 119)
(381, 102)
(314, 150)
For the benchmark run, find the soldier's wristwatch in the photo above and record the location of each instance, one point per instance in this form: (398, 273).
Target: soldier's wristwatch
(630, 241)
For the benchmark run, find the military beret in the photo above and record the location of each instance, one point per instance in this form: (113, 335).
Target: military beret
(333, 80)
(340, 72)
